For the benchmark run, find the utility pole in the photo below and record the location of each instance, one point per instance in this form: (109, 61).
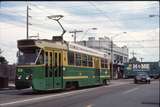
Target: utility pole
(141, 59)
(27, 22)
(133, 53)
(74, 33)
(112, 37)
(112, 74)
(141, 63)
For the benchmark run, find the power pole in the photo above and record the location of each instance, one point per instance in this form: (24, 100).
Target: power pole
(141, 59)
(27, 22)
(141, 63)
(112, 74)
(74, 33)
(133, 53)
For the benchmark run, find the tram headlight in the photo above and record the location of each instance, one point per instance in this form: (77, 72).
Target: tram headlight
(19, 77)
(27, 77)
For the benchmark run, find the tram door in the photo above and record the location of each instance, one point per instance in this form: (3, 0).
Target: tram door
(97, 72)
(48, 69)
(57, 70)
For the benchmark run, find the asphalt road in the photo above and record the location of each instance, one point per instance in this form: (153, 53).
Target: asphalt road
(120, 93)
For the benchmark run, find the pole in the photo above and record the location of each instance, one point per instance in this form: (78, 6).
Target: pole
(111, 58)
(74, 34)
(75, 37)
(27, 23)
(159, 50)
(64, 31)
(112, 72)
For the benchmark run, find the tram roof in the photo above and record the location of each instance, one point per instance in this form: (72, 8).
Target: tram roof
(43, 43)
(86, 50)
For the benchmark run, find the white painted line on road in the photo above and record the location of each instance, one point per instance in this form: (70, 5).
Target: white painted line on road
(117, 84)
(56, 95)
(131, 90)
(49, 96)
(90, 105)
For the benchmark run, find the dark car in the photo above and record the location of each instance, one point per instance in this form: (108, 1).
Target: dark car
(142, 77)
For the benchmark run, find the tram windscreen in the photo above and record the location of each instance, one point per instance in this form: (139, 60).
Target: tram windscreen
(29, 56)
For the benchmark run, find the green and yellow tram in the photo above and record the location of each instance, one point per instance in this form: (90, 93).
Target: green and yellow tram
(53, 64)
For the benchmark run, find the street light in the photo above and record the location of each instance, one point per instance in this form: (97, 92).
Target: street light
(57, 18)
(151, 16)
(112, 51)
(87, 31)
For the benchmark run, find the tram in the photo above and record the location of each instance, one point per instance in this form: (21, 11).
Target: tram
(56, 64)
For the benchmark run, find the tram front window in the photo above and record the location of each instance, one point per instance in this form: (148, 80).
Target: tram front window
(29, 56)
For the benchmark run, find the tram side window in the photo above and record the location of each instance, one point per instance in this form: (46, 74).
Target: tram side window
(84, 60)
(46, 62)
(60, 72)
(50, 72)
(56, 64)
(78, 59)
(90, 63)
(51, 60)
(71, 58)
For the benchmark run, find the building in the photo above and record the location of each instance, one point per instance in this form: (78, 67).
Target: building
(7, 73)
(120, 54)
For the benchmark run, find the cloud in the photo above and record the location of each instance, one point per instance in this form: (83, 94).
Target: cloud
(81, 16)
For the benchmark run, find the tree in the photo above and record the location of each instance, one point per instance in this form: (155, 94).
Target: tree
(133, 60)
(2, 59)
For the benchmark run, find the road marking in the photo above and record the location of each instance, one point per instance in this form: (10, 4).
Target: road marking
(115, 84)
(90, 105)
(56, 95)
(131, 90)
(49, 96)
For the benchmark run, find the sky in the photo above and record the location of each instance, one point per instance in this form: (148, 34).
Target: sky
(109, 17)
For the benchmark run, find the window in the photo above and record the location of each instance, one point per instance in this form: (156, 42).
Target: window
(70, 58)
(90, 64)
(78, 59)
(41, 58)
(84, 60)
(104, 63)
(50, 60)
(27, 56)
(46, 62)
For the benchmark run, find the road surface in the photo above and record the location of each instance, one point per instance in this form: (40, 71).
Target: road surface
(120, 93)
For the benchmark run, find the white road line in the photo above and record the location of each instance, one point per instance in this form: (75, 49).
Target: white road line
(116, 84)
(57, 95)
(131, 90)
(49, 96)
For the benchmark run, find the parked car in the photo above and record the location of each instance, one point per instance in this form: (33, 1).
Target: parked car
(142, 77)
